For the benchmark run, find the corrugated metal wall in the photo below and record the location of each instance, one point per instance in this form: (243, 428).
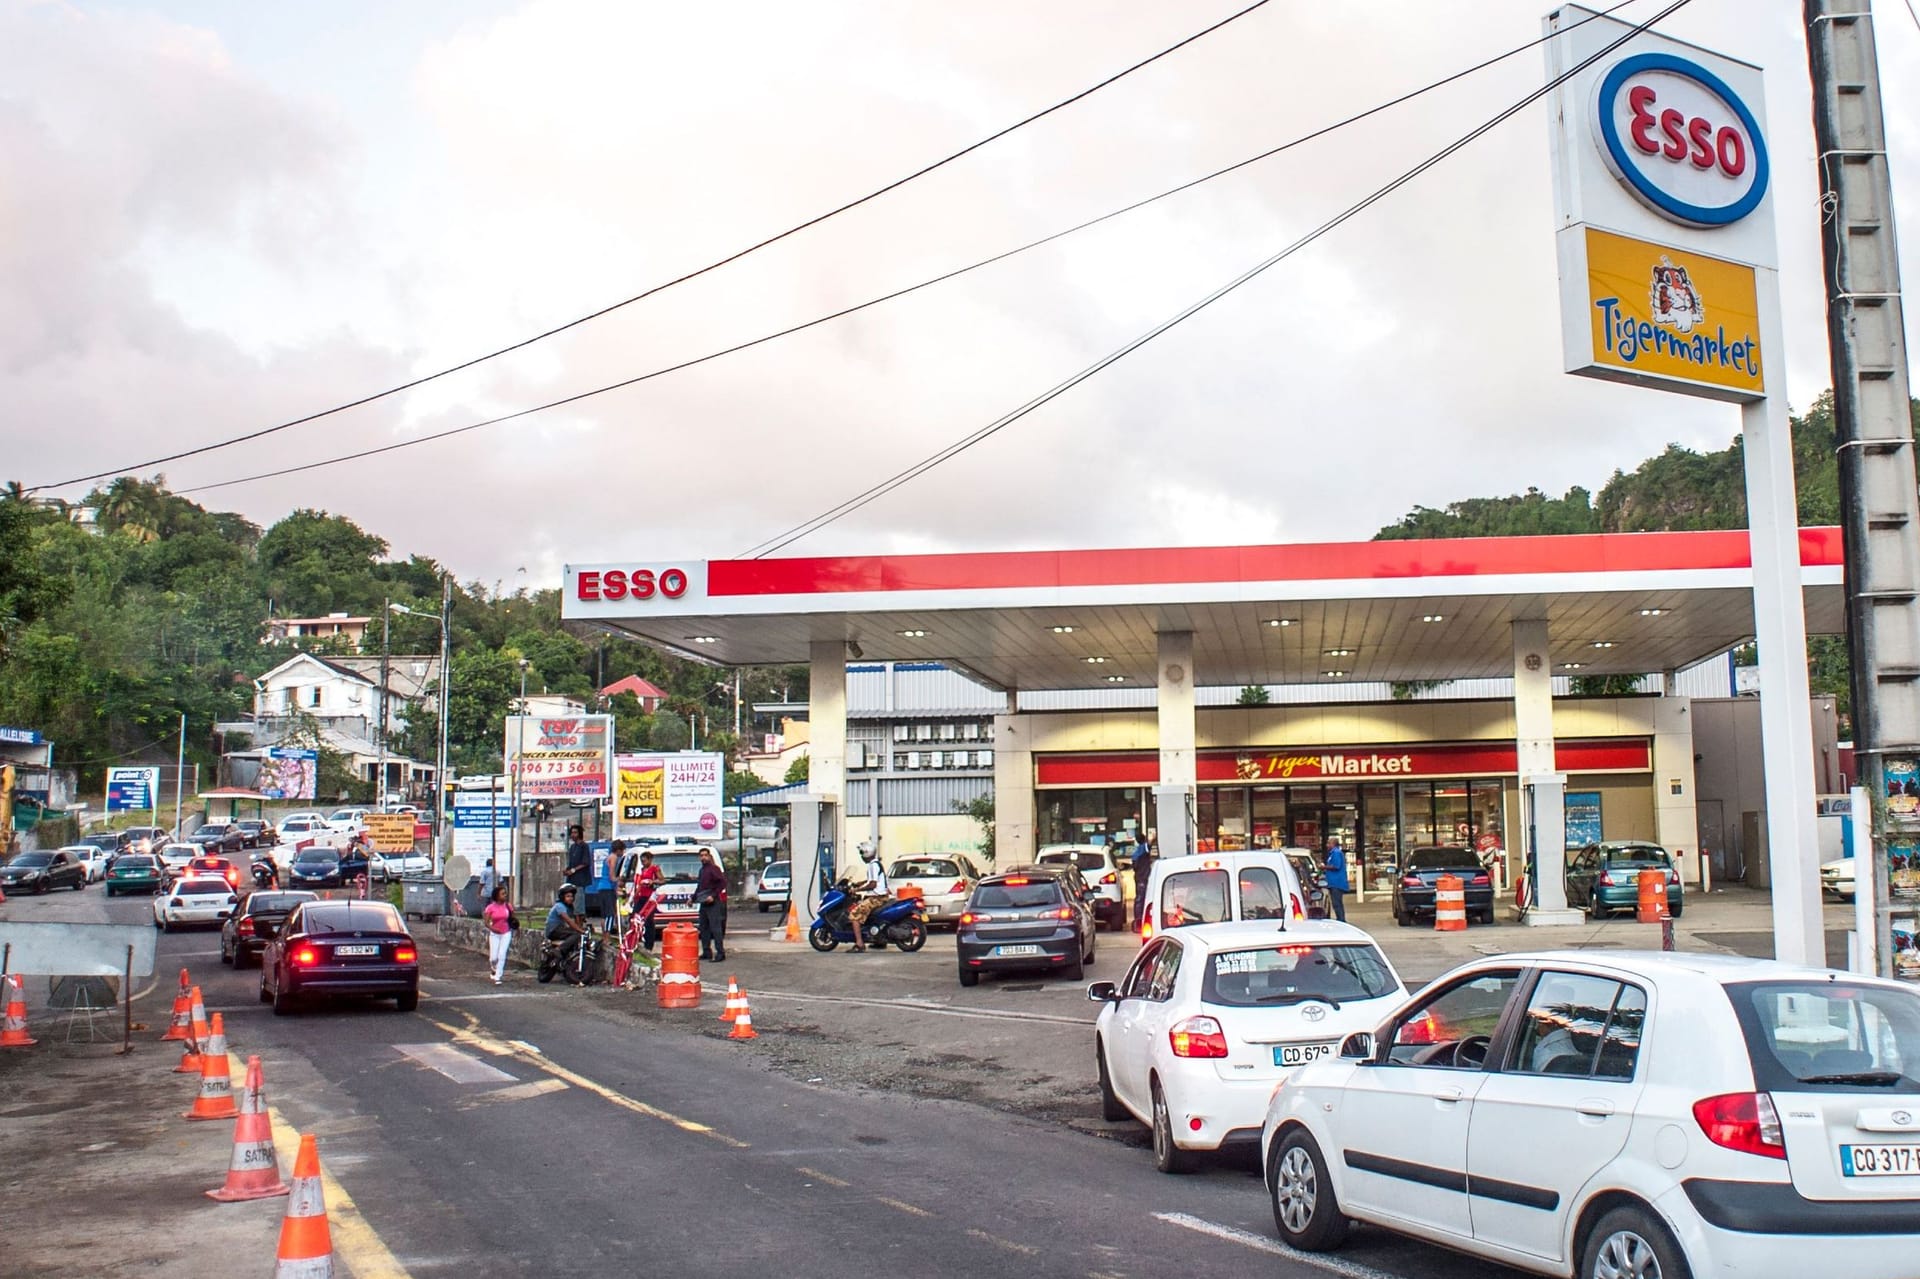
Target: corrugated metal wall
(915, 796)
(916, 689)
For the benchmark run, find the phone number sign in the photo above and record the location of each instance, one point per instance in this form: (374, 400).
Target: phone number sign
(560, 758)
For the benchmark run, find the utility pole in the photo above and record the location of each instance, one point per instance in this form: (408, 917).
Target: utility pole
(386, 649)
(446, 678)
(1873, 425)
(180, 780)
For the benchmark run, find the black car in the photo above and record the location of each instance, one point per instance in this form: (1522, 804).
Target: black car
(244, 934)
(1026, 917)
(314, 868)
(257, 833)
(40, 872)
(220, 838)
(334, 948)
(1420, 873)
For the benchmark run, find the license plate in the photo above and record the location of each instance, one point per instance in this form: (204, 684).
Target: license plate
(1880, 1161)
(1016, 950)
(356, 950)
(1300, 1054)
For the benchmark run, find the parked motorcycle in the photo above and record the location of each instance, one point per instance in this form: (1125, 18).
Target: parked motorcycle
(898, 921)
(577, 958)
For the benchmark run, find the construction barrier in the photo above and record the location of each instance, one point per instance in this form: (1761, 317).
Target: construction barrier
(1450, 905)
(215, 1100)
(1653, 896)
(180, 1025)
(254, 1170)
(680, 966)
(743, 1024)
(13, 1034)
(190, 1055)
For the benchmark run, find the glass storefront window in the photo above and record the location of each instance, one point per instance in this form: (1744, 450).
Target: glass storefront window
(1380, 835)
(1233, 819)
(1269, 816)
(1487, 803)
(1450, 822)
(1416, 814)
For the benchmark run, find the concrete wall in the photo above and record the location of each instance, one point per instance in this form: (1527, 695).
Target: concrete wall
(1731, 775)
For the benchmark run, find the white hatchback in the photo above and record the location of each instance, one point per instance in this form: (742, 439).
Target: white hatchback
(93, 857)
(1211, 888)
(944, 883)
(198, 899)
(1210, 1018)
(1644, 1114)
(1098, 866)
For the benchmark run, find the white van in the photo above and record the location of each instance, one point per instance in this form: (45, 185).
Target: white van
(1212, 888)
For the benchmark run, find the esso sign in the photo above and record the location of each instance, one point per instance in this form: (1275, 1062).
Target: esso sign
(630, 584)
(1681, 140)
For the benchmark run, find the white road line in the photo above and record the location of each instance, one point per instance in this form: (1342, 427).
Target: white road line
(1272, 1247)
(462, 1068)
(923, 1006)
(518, 1092)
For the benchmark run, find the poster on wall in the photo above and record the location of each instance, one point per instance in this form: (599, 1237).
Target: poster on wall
(685, 789)
(289, 772)
(1583, 818)
(561, 758)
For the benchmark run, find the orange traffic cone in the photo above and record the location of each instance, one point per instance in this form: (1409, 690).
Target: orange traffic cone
(13, 1033)
(734, 1003)
(743, 1025)
(254, 1172)
(216, 1082)
(182, 1027)
(306, 1245)
(190, 1056)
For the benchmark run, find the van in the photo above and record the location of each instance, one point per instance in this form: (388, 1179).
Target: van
(1212, 888)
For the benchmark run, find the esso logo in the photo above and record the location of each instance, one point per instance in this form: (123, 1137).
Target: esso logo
(1682, 140)
(630, 584)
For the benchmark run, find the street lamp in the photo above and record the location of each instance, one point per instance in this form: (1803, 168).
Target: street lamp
(519, 763)
(446, 677)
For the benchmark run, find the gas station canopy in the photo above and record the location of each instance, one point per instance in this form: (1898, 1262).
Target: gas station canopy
(1615, 603)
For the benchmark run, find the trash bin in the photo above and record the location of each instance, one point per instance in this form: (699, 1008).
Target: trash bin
(424, 897)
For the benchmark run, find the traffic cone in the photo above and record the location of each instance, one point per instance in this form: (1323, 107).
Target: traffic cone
(182, 1027)
(793, 922)
(254, 1171)
(734, 1003)
(216, 1082)
(743, 1025)
(13, 1033)
(306, 1245)
(190, 1056)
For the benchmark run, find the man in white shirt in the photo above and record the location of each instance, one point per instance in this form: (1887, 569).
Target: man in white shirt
(869, 884)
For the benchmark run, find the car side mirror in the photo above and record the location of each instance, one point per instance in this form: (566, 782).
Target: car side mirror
(1357, 1047)
(1103, 992)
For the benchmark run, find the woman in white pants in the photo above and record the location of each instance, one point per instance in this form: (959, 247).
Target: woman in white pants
(499, 917)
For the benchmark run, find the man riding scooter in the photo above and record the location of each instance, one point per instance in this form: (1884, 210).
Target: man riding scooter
(565, 932)
(870, 889)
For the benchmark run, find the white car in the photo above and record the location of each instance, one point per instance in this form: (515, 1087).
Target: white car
(944, 883)
(92, 857)
(1836, 877)
(197, 899)
(1101, 870)
(772, 885)
(174, 858)
(1211, 888)
(350, 820)
(311, 815)
(1209, 1020)
(395, 865)
(1638, 1114)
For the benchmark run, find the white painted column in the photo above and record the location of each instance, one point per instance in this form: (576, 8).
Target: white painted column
(1544, 833)
(826, 766)
(1178, 730)
(1780, 633)
(1014, 840)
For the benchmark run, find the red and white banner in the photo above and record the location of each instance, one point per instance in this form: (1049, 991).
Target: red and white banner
(1343, 764)
(560, 758)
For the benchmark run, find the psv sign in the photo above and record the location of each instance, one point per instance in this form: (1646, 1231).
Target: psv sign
(1681, 140)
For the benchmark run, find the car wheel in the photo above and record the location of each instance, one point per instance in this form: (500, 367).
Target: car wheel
(266, 996)
(226, 956)
(968, 977)
(79, 885)
(1629, 1242)
(1402, 918)
(1077, 969)
(1678, 910)
(282, 1003)
(408, 1002)
(1110, 1108)
(1304, 1208)
(1167, 1157)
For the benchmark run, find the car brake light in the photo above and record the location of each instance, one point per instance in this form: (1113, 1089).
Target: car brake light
(405, 954)
(1110, 878)
(1606, 879)
(1294, 950)
(306, 955)
(1146, 922)
(244, 928)
(959, 886)
(968, 917)
(1060, 912)
(1018, 883)
(1482, 878)
(1197, 1037)
(1413, 881)
(1210, 864)
(1743, 1121)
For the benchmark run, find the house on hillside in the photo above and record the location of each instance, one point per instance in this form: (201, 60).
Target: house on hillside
(337, 700)
(649, 694)
(332, 626)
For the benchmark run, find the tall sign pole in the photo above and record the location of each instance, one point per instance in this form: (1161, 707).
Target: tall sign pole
(446, 678)
(386, 648)
(1873, 426)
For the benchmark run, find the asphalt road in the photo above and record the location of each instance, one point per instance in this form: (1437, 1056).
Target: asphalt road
(543, 1130)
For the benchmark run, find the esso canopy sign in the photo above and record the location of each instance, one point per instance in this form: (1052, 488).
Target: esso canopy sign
(1681, 140)
(637, 583)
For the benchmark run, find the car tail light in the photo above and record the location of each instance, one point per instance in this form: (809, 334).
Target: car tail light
(306, 955)
(1293, 900)
(1482, 878)
(1606, 879)
(405, 955)
(1673, 877)
(244, 928)
(1060, 912)
(959, 886)
(1412, 881)
(968, 917)
(1743, 1121)
(1197, 1037)
(1146, 922)
(1111, 877)
(1017, 882)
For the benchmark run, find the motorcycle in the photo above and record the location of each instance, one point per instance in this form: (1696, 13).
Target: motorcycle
(575, 958)
(898, 921)
(265, 873)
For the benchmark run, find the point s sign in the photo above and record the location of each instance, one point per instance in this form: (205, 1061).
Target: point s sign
(1681, 140)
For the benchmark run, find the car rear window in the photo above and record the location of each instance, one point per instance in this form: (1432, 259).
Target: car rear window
(923, 868)
(1084, 861)
(369, 917)
(134, 861)
(1818, 1036)
(1439, 859)
(1639, 856)
(781, 870)
(1193, 897)
(262, 903)
(1260, 894)
(1016, 894)
(1294, 973)
(678, 868)
(204, 887)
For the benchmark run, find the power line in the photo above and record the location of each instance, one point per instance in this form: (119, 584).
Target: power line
(899, 478)
(842, 313)
(677, 280)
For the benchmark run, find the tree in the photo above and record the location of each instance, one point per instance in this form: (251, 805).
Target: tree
(1254, 695)
(797, 771)
(312, 562)
(980, 809)
(737, 784)
(670, 731)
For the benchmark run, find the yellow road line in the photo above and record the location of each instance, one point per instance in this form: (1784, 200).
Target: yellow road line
(354, 1241)
(910, 1209)
(1008, 1244)
(515, 1092)
(817, 1175)
(526, 1053)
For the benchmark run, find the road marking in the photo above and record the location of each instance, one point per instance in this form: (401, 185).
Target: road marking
(923, 1006)
(354, 1241)
(817, 1175)
(527, 1053)
(909, 1209)
(1272, 1247)
(462, 1068)
(1008, 1244)
(518, 1092)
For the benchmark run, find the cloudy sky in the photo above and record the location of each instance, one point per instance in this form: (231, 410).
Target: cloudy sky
(218, 216)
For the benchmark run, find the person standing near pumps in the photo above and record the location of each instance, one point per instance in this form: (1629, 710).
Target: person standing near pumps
(710, 894)
(1337, 882)
(500, 926)
(1142, 872)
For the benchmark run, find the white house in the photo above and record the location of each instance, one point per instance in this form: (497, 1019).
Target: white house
(340, 698)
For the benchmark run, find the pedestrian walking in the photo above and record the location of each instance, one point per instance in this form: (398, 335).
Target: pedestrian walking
(1142, 872)
(710, 895)
(1337, 882)
(500, 926)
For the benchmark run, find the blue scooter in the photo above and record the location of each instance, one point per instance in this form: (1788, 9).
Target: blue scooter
(898, 921)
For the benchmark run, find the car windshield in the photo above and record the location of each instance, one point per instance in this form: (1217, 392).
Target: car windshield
(1440, 859)
(924, 868)
(107, 842)
(198, 887)
(349, 917)
(1638, 855)
(1820, 1036)
(678, 868)
(1084, 859)
(344, 814)
(1016, 894)
(777, 870)
(32, 860)
(263, 903)
(1295, 973)
(316, 857)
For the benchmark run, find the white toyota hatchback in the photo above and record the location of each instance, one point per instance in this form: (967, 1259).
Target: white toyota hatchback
(1659, 1116)
(1211, 1017)
(198, 899)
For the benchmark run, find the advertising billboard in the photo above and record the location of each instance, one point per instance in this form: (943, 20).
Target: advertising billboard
(684, 790)
(289, 772)
(560, 758)
(483, 829)
(132, 790)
